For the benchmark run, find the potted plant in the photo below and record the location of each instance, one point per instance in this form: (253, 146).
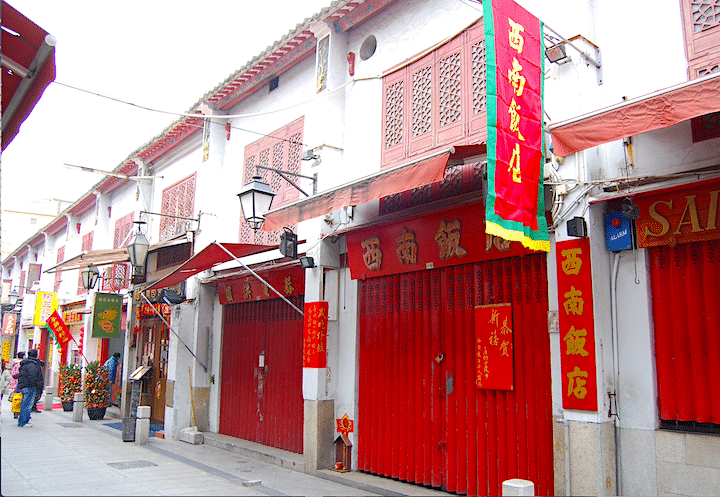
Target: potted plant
(70, 384)
(96, 390)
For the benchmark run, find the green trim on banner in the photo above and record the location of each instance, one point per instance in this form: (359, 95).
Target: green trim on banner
(495, 224)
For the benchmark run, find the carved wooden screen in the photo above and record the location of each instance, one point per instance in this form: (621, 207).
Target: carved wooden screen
(58, 274)
(281, 149)
(437, 100)
(117, 276)
(177, 200)
(701, 22)
(87, 240)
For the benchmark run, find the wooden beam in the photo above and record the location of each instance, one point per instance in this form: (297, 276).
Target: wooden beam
(360, 14)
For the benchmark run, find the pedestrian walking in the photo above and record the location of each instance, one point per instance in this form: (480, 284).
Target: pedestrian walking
(39, 391)
(30, 379)
(111, 366)
(5, 379)
(14, 372)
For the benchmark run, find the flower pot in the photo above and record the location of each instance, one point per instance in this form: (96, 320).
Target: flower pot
(67, 405)
(96, 413)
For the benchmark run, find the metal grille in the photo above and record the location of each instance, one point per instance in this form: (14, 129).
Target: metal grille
(421, 418)
(449, 99)
(263, 405)
(278, 161)
(705, 14)
(687, 331)
(394, 114)
(294, 154)
(479, 74)
(422, 102)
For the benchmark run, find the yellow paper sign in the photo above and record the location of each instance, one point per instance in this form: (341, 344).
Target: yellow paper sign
(45, 304)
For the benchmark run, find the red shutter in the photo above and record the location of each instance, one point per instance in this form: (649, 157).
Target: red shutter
(177, 200)
(58, 274)
(421, 418)
(687, 330)
(394, 116)
(449, 115)
(702, 37)
(422, 94)
(86, 247)
(34, 272)
(475, 83)
(21, 287)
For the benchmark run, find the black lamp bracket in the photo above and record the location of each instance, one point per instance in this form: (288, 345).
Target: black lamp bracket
(283, 174)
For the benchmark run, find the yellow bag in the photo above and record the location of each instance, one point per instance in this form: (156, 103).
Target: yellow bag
(16, 400)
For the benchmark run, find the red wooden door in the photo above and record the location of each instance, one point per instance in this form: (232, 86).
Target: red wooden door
(261, 385)
(421, 417)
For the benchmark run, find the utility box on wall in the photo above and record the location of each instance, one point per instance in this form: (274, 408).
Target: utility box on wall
(618, 232)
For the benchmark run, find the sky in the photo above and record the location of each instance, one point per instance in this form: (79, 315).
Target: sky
(160, 54)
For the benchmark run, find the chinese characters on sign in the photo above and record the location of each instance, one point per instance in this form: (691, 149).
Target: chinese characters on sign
(494, 347)
(59, 329)
(315, 335)
(107, 311)
(288, 281)
(435, 240)
(45, 304)
(577, 330)
(515, 206)
(9, 323)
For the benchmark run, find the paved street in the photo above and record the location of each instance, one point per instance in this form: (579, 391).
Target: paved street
(58, 457)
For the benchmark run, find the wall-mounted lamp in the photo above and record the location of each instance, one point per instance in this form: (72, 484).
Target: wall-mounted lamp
(89, 277)
(307, 262)
(557, 54)
(137, 252)
(577, 227)
(13, 297)
(629, 209)
(288, 244)
(255, 200)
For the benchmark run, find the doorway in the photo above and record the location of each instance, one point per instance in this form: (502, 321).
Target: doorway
(154, 353)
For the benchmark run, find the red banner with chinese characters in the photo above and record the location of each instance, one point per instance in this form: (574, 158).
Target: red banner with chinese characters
(289, 281)
(315, 335)
(679, 215)
(59, 328)
(9, 323)
(577, 325)
(515, 207)
(438, 239)
(494, 347)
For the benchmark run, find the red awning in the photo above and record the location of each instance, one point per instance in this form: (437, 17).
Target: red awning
(28, 67)
(208, 257)
(361, 191)
(658, 110)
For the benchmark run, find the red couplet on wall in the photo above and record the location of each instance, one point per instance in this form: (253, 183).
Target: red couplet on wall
(315, 335)
(494, 347)
(577, 327)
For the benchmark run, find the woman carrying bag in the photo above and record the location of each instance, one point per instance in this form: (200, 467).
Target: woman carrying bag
(15, 397)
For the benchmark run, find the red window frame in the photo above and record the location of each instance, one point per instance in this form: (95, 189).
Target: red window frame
(436, 100)
(281, 149)
(177, 200)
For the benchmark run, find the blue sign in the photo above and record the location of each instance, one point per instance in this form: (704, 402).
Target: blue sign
(618, 232)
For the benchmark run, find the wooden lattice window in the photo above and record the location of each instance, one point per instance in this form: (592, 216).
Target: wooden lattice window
(22, 285)
(117, 276)
(58, 274)
(33, 275)
(87, 240)
(701, 22)
(436, 100)
(177, 200)
(281, 149)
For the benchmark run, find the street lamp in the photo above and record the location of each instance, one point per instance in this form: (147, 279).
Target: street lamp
(255, 199)
(13, 297)
(89, 277)
(138, 248)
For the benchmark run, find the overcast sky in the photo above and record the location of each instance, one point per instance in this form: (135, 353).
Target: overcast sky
(160, 54)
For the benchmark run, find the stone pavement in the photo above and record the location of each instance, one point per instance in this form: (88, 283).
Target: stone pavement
(58, 457)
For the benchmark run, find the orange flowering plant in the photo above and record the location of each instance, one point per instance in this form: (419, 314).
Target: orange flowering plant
(70, 381)
(96, 385)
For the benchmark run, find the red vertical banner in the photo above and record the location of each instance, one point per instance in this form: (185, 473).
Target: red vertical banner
(494, 347)
(59, 329)
(515, 207)
(315, 335)
(577, 325)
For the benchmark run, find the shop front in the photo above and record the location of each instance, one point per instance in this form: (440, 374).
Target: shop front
(261, 397)
(454, 354)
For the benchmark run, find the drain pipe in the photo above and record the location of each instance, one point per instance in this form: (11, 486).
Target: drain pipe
(566, 426)
(616, 367)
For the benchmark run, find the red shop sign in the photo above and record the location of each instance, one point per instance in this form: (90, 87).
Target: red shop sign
(290, 282)
(438, 239)
(577, 325)
(679, 215)
(9, 323)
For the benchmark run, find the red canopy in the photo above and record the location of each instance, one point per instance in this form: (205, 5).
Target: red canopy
(388, 182)
(658, 110)
(28, 60)
(207, 258)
